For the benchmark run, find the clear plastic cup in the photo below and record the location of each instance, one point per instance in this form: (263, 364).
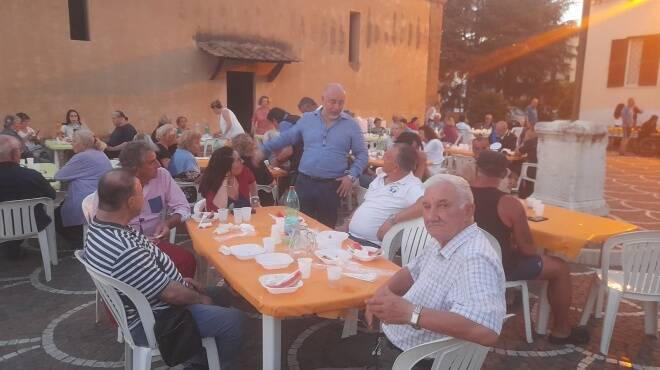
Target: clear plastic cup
(334, 274)
(238, 216)
(530, 202)
(269, 244)
(223, 215)
(539, 208)
(247, 213)
(305, 267)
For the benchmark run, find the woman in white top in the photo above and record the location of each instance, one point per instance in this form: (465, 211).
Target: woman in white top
(433, 148)
(72, 124)
(228, 123)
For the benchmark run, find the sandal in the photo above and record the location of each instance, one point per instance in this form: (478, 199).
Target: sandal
(578, 336)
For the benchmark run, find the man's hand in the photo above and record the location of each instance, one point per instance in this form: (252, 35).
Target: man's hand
(389, 307)
(383, 229)
(195, 284)
(204, 299)
(162, 230)
(345, 187)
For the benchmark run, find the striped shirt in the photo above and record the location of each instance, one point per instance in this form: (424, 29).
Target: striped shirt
(128, 256)
(464, 277)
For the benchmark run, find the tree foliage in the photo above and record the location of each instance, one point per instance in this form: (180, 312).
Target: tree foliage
(513, 47)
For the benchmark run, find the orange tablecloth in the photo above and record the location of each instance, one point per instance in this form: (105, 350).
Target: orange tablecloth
(566, 232)
(202, 162)
(314, 297)
(453, 150)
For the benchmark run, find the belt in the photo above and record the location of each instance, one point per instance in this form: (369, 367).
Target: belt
(317, 179)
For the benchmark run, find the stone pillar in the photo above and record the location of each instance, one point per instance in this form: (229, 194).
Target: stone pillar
(571, 168)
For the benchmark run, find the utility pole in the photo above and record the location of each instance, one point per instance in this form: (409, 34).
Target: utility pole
(582, 50)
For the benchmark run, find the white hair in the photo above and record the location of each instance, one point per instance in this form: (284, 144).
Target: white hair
(163, 130)
(85, 138)
(461, 186)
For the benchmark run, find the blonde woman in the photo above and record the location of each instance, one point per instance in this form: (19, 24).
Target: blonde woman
(183, 164)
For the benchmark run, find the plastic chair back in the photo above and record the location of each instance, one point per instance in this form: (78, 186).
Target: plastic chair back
(199, 206)
(89, 206)
(640, 258)
(110, 290)
(410, 237)
(449, 353)
(17, 218)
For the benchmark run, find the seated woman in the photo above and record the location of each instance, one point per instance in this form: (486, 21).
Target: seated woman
(245, 147)
(433, 148)
(72, 123)
(166, 143)
(219, 184)
(82, 173)
(413, 140)
(183, 164)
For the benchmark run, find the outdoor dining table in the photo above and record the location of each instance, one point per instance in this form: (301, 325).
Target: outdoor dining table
(465, 152)
(58, 147)
(313, 298)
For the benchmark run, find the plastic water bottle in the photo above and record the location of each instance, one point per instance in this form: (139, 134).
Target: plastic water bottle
(291, 213)
(207, 130)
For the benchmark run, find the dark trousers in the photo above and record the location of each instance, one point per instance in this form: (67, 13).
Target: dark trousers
(318, 198)
(72, 234)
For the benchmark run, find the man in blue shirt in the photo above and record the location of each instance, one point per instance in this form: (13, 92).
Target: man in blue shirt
(532, 111)
(324, 175)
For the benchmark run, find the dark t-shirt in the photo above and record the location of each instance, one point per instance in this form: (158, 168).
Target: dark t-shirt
(17, 182)
(164, 152)
(120, 135)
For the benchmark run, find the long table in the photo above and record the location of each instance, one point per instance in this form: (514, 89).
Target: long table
(58, 147)
(314, 297)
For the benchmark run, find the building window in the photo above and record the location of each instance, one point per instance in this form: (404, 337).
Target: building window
(354, 39)
(78, 21)
(634, 61)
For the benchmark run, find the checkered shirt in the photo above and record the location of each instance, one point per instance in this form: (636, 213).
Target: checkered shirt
(464, 277)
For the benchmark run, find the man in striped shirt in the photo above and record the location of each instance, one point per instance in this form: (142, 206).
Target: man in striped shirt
(455, 287)
(119, 251)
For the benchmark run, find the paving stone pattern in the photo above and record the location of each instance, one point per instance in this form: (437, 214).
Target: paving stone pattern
(51, 325)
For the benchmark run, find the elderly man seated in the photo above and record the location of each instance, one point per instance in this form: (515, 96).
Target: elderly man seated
(505, 218)
(16, 183)
(502, 135)
(116, 250)
(391, 198)
(165, 206)
(468, 167)
(455, 287)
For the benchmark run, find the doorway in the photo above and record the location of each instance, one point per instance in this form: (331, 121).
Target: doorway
(240, 97)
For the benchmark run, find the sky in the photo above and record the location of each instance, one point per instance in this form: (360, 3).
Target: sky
(574, 12)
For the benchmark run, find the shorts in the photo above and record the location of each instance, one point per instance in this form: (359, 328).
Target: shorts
(627, 131)
(527, 268)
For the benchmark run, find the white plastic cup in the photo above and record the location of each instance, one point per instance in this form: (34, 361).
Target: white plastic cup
(275, 233)
(279, 225)
(247, 213)
(29, 161)
(223, 215)
(269, 244)
(530, 202)
(539, 207)
(334, 274)
(238, 216)
(305, 267)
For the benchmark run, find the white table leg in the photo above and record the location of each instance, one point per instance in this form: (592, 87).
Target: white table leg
(272, 342)
(56, 158)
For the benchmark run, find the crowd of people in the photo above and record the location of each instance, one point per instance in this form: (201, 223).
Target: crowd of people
(454, 288)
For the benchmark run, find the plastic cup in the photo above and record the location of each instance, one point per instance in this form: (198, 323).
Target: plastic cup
(530, 202)
(247, 213)
(238, 216)
(29, 161)
(223, 215)
(269, 244)
(275, 233)
(334, 274)
(538, 209)
(305, 267)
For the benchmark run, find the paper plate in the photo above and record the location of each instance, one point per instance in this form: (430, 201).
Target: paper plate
(274, 261)
(332, 256)
(246, 251)
(265, 279)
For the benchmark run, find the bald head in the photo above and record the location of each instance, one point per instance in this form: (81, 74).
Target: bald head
(334, 97)
(10, 149)
(500, 128)
(115, 189)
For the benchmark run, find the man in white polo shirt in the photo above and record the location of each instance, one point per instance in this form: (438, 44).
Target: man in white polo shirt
(392, 197)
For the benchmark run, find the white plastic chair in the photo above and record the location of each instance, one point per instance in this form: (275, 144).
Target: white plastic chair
(524, 175)
(89, 205)
(449, 353)
(212, 144)
(272, 189)
(17, 222)
(199, 206)
(136, 357)
(410, 237)
(639, 280)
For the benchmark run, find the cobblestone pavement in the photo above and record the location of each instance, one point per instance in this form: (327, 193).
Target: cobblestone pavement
(51, 325)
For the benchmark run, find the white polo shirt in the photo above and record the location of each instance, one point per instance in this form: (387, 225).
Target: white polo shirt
(380, 202)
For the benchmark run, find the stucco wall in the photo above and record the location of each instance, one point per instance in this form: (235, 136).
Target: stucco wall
(608, 23)
(142, 57)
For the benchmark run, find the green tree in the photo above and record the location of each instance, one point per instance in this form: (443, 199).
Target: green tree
(513, 47)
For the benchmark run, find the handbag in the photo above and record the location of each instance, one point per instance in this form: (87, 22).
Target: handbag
(176, 333)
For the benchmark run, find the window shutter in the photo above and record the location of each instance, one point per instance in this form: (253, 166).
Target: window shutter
(618, 56)
(648, 72)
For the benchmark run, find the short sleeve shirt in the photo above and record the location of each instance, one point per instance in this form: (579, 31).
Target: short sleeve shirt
(122, 134)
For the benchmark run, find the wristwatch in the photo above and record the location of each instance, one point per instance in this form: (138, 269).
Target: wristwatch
(414, 318)
(392, 219)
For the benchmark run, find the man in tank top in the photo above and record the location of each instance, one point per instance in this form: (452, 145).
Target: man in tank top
(505, 218)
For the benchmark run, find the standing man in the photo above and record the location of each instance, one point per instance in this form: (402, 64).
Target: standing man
(532, 111)
(628, 123)
(329, 135)
(123, 133)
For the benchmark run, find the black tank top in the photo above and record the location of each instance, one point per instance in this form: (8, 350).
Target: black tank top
(487, 218)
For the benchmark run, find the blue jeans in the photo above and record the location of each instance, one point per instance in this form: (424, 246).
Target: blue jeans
(318, 198)
(224, 323)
